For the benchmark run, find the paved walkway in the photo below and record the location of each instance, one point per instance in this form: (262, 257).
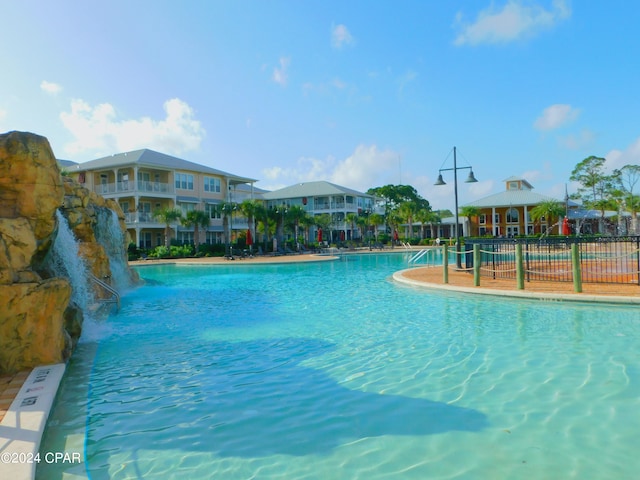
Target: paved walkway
(9, 388)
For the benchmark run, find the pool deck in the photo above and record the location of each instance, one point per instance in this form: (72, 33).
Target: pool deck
(462, 281)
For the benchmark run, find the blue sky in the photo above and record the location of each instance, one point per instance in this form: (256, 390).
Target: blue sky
(360, 93)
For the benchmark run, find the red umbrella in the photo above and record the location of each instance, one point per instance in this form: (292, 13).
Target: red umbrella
(342, 235)
(319, 235)
(395, 235)
(565, 227)
(249, 237)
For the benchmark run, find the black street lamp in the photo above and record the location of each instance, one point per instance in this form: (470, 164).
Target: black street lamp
(470, 179)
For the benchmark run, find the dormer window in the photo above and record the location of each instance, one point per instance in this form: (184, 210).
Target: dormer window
(512, 186)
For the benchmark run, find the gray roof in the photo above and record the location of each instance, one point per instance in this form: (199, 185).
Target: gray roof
(66, 163)
(151, 158)
(511, 198)
(312, 189)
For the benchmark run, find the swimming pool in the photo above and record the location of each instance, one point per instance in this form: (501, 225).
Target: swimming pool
(331, 370)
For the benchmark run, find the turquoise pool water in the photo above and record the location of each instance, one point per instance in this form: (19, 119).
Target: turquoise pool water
(332, 371)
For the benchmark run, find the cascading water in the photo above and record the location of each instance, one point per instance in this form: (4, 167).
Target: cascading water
(65, 261)
(111, 237)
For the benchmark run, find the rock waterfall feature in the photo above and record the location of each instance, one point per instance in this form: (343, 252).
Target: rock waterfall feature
(48, 234)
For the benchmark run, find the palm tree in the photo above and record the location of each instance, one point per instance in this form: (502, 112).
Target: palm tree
(251, 210)
(375, 220)
(423, 216)
(227, 208)
(295, 216)
(167, 216)
(323, 221)
(362, 222)
(351, 219)
(407, 211)
(196, 219)
(470, 211)
(547, 211)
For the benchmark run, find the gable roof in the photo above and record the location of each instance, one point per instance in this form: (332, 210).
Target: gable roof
(151, 158)
(312, 189)
(511, 198)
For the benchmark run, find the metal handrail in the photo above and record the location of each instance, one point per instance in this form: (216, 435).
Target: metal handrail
(115, 296)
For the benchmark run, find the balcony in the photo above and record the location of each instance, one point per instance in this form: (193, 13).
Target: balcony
(129, 187)
(147, 218)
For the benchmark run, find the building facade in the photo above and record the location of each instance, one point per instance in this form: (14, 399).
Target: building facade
(145, 181)
(508, 213)
(319, 198)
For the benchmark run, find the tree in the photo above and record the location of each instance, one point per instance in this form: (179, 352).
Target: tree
(547, 211)
(351, 218)
(470, 211)
(396, 195)
(407, 211)
(196, 219)
(376, 220)
(227, 209)
(251, 209)
(323, 221)
(295, 216)
(167, 216)
(595, 185)
(362, 222)
(627, 177)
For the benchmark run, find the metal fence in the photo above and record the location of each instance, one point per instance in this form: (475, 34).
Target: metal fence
(602, 259)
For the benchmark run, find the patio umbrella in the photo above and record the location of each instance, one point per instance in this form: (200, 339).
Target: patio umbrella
(565, 226)
(249, 238)
(319, 235)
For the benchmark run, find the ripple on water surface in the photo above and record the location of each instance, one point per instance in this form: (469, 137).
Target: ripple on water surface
(345, 375)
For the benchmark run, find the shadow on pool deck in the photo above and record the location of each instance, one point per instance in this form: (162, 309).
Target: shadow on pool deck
(254, 399)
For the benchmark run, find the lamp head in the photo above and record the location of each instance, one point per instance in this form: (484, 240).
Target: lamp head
(471, 178)
(440, 181)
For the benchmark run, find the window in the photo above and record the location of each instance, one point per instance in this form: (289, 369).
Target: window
(212, 184)
(496, 218)
(184, 181)
(512, 186)
(145, 240)
(186, 207)
(185, 237)
(513, 216)
(213, 210)
(482, 219)
(482, 231)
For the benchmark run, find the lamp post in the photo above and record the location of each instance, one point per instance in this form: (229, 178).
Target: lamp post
(470, 179)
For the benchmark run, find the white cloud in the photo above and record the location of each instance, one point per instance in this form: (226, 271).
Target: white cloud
(366, 167)
(514, 21)
(556, 116)
(281, 73)
(620, 158)
(340, 36)
(49, 87)
(98, 130)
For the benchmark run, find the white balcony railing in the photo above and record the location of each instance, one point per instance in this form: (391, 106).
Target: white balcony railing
(133, 187)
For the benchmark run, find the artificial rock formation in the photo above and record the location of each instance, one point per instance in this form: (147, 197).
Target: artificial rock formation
(31, 316)
(38, 325)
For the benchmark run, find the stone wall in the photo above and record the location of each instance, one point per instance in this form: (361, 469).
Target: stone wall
(37, 323)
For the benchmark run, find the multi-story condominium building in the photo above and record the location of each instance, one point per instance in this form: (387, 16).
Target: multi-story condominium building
(321, 197)
(145, 181)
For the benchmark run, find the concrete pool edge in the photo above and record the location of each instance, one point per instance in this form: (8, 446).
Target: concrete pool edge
(23, 425)
(522, 294)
